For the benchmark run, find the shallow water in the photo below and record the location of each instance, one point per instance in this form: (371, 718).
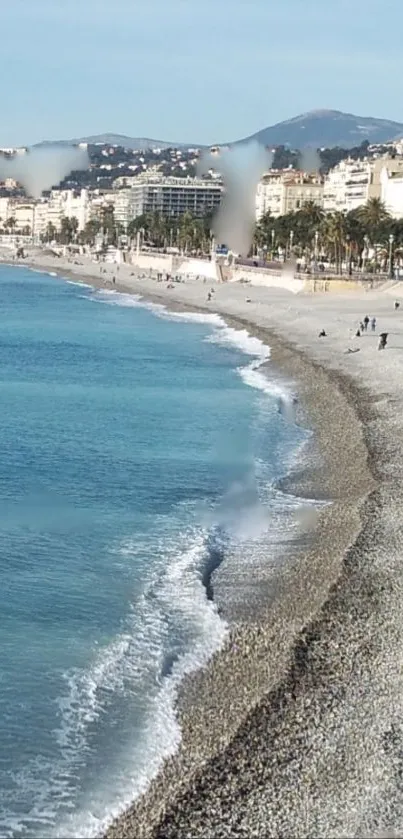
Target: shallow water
(138, 449)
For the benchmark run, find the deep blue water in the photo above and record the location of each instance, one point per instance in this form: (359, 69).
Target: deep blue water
(136, 449)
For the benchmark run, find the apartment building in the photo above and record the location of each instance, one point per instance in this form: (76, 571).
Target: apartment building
(285, 192)
(24, 217)
(40, 219)
(173, 197)
(392, 191)
(347, 186)
(393, 164)
(69, 203)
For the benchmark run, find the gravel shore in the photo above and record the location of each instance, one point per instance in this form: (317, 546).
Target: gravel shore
(295, 727)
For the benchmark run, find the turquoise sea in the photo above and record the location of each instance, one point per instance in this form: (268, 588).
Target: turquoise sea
(138, 450)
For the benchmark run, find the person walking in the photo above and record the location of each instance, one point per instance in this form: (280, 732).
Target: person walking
(373, 324)
(366, 322)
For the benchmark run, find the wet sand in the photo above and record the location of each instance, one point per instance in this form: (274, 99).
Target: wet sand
(296, 727)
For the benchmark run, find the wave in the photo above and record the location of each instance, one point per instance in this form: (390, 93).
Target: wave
(172, 630)
(76, 283)
(135, 301)
(224, 335)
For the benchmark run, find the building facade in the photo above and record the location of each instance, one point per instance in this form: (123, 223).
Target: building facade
(346, 186)
(285, 192)
(393, 164)
(392, 191)
(173, 197)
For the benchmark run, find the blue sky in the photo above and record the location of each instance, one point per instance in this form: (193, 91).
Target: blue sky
(190, 71)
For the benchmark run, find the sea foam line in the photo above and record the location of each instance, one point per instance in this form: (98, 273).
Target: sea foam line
(223, 334)
(125, 661)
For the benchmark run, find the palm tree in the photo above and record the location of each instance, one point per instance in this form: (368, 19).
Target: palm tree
(87, 236)
(74, 224)
(136, 224)
(355, 234)
(374, 216)
(335, 231)
(10, 223)
(186, 230)
(50, 233)
(311, 214)
(263, 231)
(65, 231)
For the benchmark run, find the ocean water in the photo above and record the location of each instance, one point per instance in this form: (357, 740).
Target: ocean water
(138, 450)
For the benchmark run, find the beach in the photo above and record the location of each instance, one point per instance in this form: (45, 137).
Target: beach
(294, 728)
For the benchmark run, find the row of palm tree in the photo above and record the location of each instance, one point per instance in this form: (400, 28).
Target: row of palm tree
(185, 232)
(338, 236)
(308, 232)
(9, 226)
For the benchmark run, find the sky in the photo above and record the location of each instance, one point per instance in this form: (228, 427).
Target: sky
(192, 71)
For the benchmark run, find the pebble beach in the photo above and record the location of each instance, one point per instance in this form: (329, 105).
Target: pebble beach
(295, 727)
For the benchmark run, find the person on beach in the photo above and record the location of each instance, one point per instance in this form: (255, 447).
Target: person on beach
(209, 296)
(373, 324)
(362, 326)
(358, 333)
(397, 304)
(322, 334)
(366, 322)
(383, 339)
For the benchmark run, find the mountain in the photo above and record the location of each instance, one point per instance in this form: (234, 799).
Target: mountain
(320, 129)
(315, 128)
(119, 140)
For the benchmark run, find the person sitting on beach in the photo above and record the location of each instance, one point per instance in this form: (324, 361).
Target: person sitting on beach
(383, 338)
(322, 334)
(358, 333)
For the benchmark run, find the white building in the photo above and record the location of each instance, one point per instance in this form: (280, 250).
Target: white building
(128, 204)
(172, 197)
(347, 186)
(68, 203)
(393, 164)
(41, 217)
(287, 191)
(24, 217)
(392, 192)
(4, 209)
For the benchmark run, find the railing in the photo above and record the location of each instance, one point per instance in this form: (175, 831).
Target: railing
(16, 239)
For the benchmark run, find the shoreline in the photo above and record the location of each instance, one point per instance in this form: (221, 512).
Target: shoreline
(217, 703)
(275, 691)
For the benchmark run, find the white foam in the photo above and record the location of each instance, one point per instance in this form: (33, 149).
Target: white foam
(74, 282)
(223, 334)
(136, 301)
(241, 339)
(131, 666)
(254, 377)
